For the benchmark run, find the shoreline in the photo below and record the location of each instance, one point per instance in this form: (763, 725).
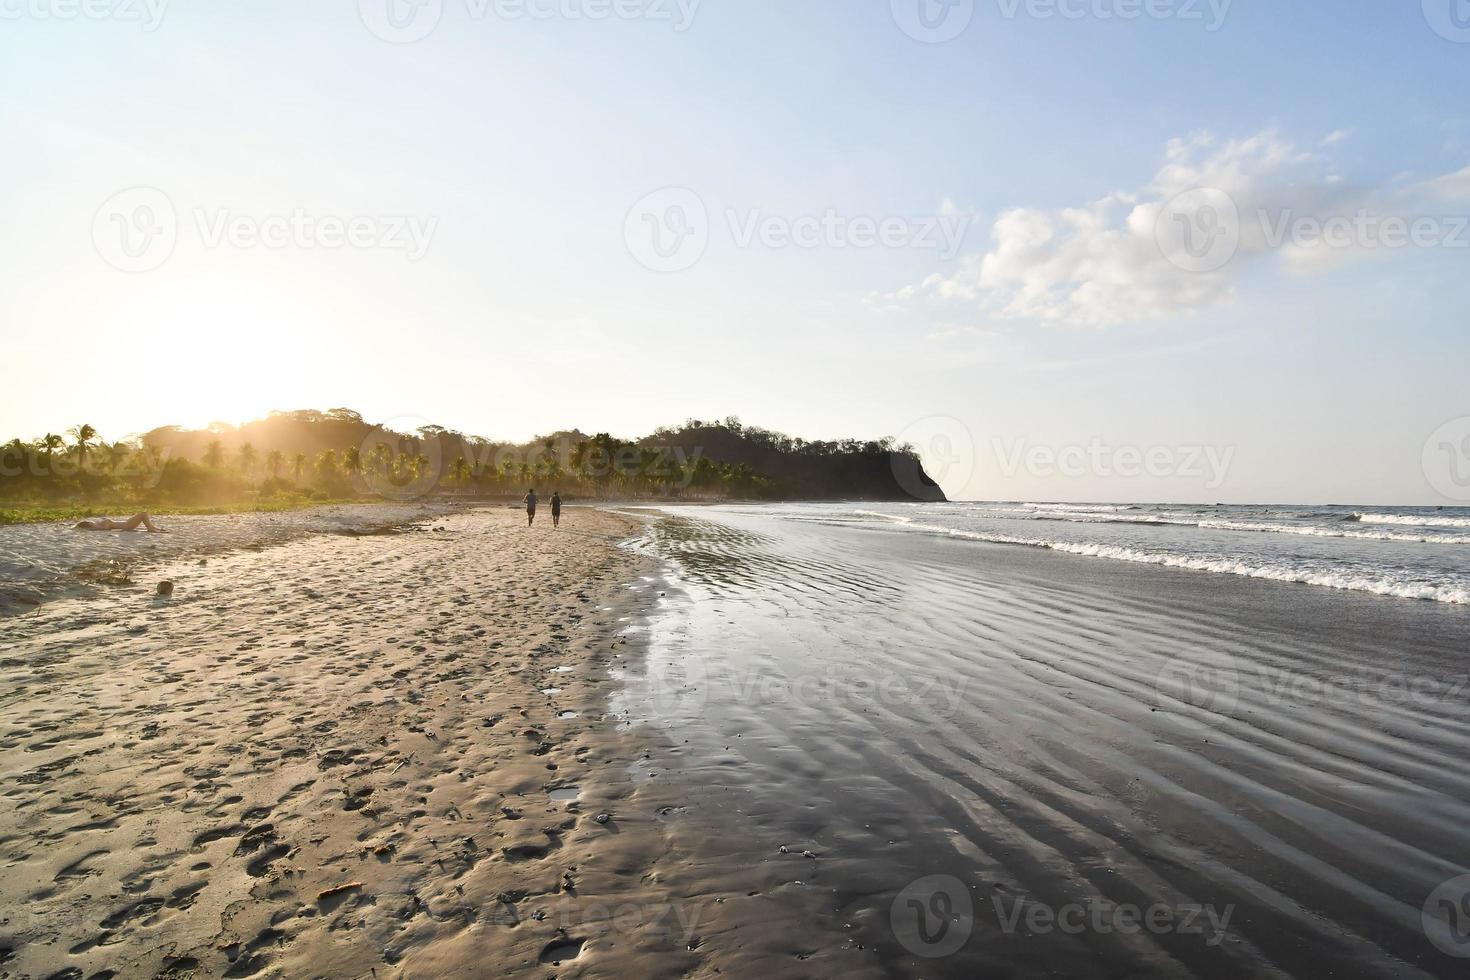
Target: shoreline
(392, 756)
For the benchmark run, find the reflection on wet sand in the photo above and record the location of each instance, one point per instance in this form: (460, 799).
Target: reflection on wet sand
(1275, 764)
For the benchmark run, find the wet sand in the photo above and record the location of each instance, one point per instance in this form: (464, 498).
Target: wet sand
(380, 756)
(992, 750)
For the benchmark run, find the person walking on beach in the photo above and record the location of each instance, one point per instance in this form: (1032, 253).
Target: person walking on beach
(530, 503)
(556, 509)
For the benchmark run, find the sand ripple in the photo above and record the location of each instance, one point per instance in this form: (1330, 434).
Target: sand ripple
(1059, 734)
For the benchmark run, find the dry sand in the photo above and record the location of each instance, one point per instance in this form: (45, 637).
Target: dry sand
(42, 561)
(347, 757)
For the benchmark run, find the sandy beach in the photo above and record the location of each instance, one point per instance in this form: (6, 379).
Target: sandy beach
(724, 741)
(352, 757)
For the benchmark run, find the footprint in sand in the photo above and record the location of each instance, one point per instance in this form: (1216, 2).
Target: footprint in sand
(562, 950)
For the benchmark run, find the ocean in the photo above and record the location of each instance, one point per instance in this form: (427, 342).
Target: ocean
(953, 727)
(1409, 552)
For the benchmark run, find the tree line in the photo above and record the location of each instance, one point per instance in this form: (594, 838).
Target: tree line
(309, 455)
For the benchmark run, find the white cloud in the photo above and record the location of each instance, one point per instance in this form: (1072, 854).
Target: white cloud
(1105, 262)
(1336, 136)
(1451, 189)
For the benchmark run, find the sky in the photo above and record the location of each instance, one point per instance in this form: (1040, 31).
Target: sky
(1108, 250)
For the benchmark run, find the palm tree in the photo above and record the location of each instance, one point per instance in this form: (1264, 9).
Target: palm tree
(274, 460)
(83, 434)
(20, 452)
(298, 465)
(248, 456)
(379, 457)
(459, 471)
(214, 456)
(49, 443)
(117, 455)
(352, 461)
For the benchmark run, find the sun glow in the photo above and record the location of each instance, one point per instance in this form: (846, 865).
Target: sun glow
(217, 355)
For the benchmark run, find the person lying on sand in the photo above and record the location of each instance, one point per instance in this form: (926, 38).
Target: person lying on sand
(530, 503)
(108, 524)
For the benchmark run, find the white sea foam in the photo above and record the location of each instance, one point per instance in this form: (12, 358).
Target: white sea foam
(1344, 577)
(1413, 521)
(1163, 520)
(1321, 532)
(1083, 508)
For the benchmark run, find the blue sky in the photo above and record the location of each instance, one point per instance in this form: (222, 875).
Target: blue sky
(518, 147)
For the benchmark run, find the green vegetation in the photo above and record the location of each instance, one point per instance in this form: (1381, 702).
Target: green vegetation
(37, 513)
(294, 459)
